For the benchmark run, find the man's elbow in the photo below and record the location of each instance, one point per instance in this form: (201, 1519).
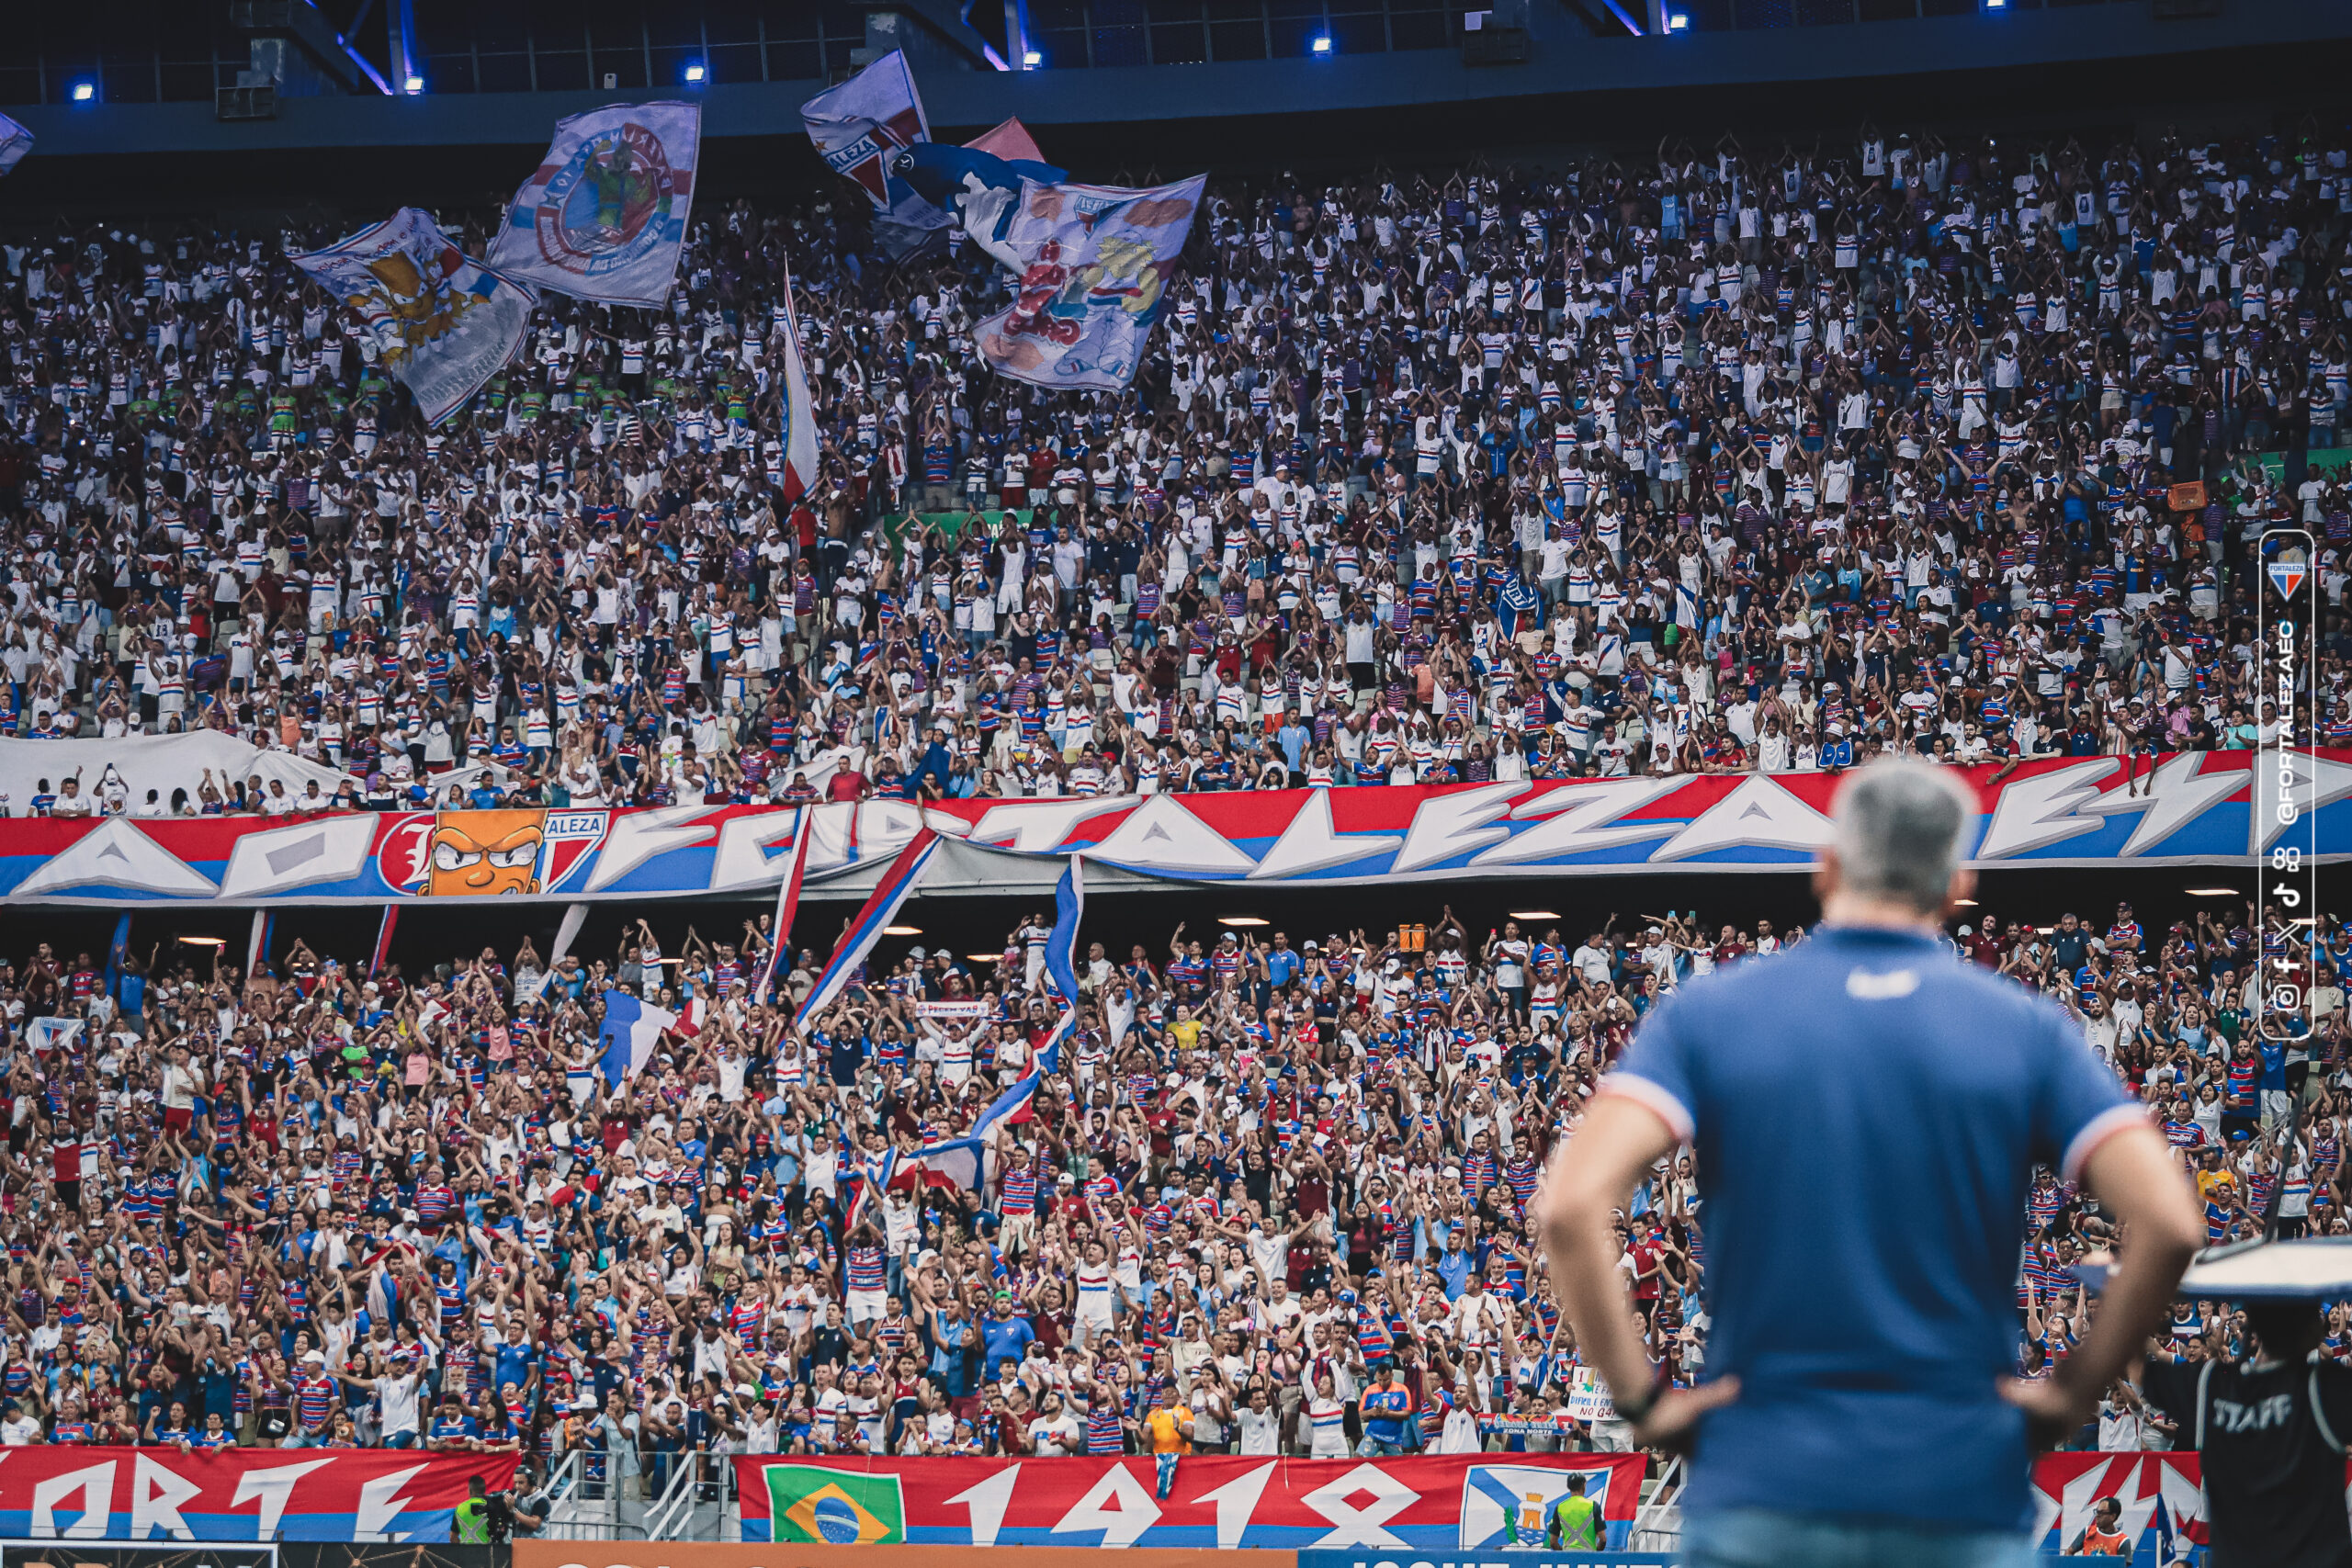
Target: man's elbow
(2173, 1232)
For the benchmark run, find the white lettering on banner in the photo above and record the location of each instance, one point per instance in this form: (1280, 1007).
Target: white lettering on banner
(2123, 1479)
(638, 836)
(272, 1488)
(155, 1498)
(95, 1487)
(2175, 794)
(380, 1502)
(1758, 814)
(1123, 1525)
(2033, 813)
(1162, 835)
(1310, 844)
(1351, 1526)
(743, 859)
(1033, 827)
(1235, 1501)
(1456, 823)
(1581, 821)
(116, 854)
(988, 1502)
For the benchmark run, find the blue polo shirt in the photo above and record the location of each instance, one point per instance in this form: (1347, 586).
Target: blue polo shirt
(1867, 1111)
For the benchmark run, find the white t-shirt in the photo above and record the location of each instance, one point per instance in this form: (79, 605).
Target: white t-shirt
(396, 1397)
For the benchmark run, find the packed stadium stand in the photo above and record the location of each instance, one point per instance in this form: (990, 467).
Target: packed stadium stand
(1702, 452)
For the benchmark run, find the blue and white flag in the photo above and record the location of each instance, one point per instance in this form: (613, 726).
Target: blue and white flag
(440, 321)
(1061, 947)
(866, 1186)
(15, 142)
(1098, 263)
(632, 1029)
(46, 1034)
(603, 216)
(963, 1162)
(978, 189)
(897, 884)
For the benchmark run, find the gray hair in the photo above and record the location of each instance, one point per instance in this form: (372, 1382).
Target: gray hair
(1898, 822)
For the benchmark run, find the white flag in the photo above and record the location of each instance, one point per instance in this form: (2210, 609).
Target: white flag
(604, 216)
(1099, 259)
(440, 321)
(799, 434)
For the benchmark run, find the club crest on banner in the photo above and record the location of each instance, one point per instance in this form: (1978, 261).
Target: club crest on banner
(2287, 576)
(486, 855)
(603, 216)
(617, 201)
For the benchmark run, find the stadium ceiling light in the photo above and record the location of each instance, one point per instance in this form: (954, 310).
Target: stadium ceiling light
(1677, 22)
(1322, 43)
(1997, 5)
(1535, 914)
(412, 85)
(1033, 59)
(1242, 921)
(205, 940)
(85, 91)
(984, 957)
(1963, 903)
(696, 72)
(902, 930)
(2213, 892)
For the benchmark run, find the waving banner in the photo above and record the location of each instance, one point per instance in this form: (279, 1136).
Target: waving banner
(16, 141)
(799, 439)
(441, 323)
(1097, 261)
(604, 216)
(859, 127)
(161, 1494)
(2063, 812)
(1419, 1502)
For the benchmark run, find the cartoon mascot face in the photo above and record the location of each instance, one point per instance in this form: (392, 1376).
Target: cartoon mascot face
(479, 855)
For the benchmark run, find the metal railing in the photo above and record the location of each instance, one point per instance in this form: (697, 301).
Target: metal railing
(1657, 1524)
(651, 1494)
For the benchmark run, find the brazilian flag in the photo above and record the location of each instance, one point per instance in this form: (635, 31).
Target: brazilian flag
(835, 1507)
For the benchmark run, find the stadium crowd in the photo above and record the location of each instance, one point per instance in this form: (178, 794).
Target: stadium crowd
(1274, 1198)
(1722, 458)
(1727, 458)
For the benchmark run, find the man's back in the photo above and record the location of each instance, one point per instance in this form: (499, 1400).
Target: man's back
(1868, 1110)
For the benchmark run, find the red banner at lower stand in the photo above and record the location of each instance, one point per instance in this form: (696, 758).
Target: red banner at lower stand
(163, 1493)
(1417, 1501)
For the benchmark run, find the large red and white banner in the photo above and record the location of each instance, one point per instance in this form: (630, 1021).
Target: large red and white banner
(2193, 809)
(159, 1494)
(2163, 1497)
(1418, 1502)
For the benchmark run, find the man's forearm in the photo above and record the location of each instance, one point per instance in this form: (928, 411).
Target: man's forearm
(1585, 1278)
(2133, 1174)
